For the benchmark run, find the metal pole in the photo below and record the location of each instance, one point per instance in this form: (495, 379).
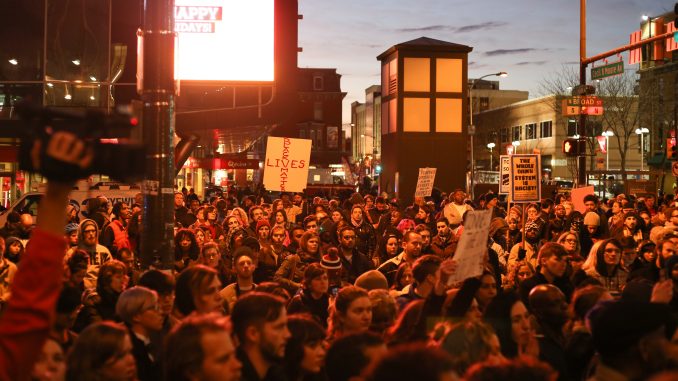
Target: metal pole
(470, 97)
(581, 130)
(642, 152)
(157, 94)
(490, 159)
(607, 153)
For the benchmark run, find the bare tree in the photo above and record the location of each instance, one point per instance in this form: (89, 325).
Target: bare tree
(621, 111)
(620, 103)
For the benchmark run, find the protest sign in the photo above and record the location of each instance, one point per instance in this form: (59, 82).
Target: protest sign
(578, 195)
(470, 254)
(525, 178)
(425, 182)
(286, 165)
(504, 174)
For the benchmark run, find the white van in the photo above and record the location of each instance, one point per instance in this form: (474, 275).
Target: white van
(114, 192)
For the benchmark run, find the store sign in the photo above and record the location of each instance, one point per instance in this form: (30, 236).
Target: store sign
(221, 163)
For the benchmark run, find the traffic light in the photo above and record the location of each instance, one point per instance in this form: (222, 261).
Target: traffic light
(675, 13)
(574, 147)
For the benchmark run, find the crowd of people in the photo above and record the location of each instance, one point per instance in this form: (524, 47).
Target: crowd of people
(286, 287)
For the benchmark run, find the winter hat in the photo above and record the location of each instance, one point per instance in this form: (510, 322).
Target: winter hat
(531, 226)
(490, 196)
(372, 280)
(72, 227)
(592, 219)
(631, 213)
(263, 222)
(331, 261)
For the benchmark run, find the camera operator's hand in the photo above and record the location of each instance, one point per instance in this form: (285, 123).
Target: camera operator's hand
(68, 148)
(63, 146)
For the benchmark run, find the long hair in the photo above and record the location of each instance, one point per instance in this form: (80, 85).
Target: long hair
(304, 332)
(193, 250)
(95, 346)
(498, 315)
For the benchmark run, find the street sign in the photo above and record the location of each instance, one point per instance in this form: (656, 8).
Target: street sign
(607, 70)
(587, 105)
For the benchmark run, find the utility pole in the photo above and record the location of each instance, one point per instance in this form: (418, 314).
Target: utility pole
(157, 95)
(581, 129)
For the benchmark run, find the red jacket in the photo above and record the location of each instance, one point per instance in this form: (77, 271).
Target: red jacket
(25, 324)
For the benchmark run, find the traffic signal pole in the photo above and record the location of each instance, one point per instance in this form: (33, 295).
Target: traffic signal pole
(157, 95)
(584, 62)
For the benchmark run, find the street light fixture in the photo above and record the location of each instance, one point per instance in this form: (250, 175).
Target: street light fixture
(490, 145)
(607, 135)
(501, 74)
(642, 132)
(515, 144)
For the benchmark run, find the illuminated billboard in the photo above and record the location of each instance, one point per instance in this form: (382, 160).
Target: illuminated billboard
(224, 40)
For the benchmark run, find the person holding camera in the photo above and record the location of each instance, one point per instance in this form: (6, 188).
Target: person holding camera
(25, 323)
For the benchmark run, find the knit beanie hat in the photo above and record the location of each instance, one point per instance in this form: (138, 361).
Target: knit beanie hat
(263, 222)
(592, 219)
(372, 280)
(331, 261)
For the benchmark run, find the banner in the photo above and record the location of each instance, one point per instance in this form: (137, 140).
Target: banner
(425, 182)
(470, 253)
(525, 178)
(286, 165)
(504, 174)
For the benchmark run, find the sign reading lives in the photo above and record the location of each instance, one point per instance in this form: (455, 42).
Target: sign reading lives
(425, 182)
(286, 165)
(525, 178)
(224, 40)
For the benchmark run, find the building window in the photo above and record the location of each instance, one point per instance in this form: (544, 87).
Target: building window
(318, 110)
(546, 129)
(484, 103)
(504, 134)
(517, 133)
(530, 131)
(302, 134)
(318, 83)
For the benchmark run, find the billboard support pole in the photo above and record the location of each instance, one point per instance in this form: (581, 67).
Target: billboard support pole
(157, 94)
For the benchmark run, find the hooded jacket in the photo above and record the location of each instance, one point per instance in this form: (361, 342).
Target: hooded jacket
(98, 254)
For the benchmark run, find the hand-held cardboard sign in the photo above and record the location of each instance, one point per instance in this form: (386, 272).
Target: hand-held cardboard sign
(425, 182)
(525, 178)
(286, 164)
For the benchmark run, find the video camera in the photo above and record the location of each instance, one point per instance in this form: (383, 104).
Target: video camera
(121, 161)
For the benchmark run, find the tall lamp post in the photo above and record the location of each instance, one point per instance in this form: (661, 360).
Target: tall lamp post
(607, 135)
(471, 126)
(490, 145)
(515, 144)
(642, 132)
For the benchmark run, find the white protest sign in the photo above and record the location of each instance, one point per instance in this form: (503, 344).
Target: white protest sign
(286, 165)
(525, 178)
(425, 182)
(472, 246)
(504, 174)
